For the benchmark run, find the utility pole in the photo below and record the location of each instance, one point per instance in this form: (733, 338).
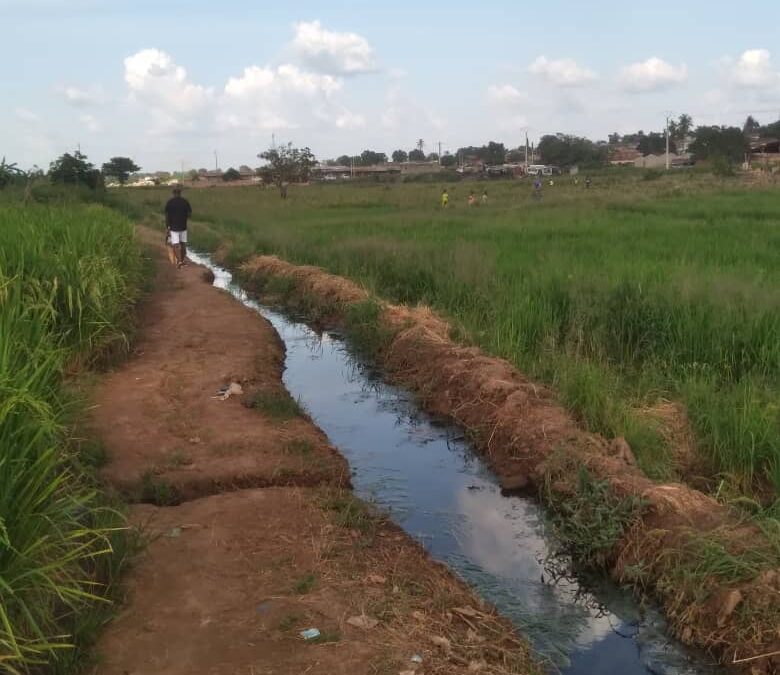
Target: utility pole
(216, 161)
(526, 151)
(668, 162)
(439, 152)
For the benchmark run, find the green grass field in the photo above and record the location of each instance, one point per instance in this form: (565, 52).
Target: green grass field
(639, 290)
(68, 277)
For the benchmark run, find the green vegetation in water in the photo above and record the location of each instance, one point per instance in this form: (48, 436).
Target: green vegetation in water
(619, 296)
(68, 278)
(589, 518)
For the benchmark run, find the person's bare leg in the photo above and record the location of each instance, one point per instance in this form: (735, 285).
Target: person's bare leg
(183, 249)
(177, 248)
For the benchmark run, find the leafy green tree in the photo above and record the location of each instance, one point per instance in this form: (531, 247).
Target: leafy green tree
(684, 126)
(400, 156)
(751, 126)
(654, 143)
(287, 164)
(120, 168)
(432, 157)
(566, 150)
(727, 142)
(344, 160)
(9, 173)
(74, 169)
(771, 130)
(492, 153)
(416, 155)
(231, 174)
(370, 157)
(448, 160)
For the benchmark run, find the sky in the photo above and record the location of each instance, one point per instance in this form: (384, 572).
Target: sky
(176, 84)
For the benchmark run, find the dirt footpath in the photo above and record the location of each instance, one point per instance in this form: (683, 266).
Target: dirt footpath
(252, 532)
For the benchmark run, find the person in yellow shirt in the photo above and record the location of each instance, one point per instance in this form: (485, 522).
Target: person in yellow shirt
(445, 198)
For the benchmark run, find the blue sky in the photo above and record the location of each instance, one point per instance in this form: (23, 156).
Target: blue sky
(170, 82)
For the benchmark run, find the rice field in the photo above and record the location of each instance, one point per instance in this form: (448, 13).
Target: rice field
(68, 276)
(640, 296)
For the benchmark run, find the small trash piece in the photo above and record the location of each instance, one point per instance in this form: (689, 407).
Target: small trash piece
(416, 659)
(263, 607)
(232, 389)
(376, 579)
(363, 621)
(173, 532)
(310, 634)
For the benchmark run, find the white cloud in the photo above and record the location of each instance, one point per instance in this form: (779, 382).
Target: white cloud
(652, 75)
(561, 72)
(505, 94)
(328, 51)
(27, 116)
(91, 123)
(282, 97)
(349, 120)
(157, 82)
(287, 77)
(79, 96)
(753, 69)
(402, 112)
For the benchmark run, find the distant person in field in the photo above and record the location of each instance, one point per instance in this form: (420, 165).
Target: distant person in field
(472, 199)
(177, 211)
(484, 198)
(538, 188)
(445, 198)
(587, 182)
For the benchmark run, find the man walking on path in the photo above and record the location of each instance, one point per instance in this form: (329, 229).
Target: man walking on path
(177, 211)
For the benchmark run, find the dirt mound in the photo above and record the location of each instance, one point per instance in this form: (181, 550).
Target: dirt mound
(524, 431)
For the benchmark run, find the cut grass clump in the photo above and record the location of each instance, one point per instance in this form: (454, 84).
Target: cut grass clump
(349, 512)
(299, 446)
(365, 327)
(156, 490)
(278, 405)
(305, 584)
(587, 517)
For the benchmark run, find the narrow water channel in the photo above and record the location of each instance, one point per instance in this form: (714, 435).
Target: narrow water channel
(423, 473)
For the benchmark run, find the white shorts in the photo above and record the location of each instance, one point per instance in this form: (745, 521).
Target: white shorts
(178, 237)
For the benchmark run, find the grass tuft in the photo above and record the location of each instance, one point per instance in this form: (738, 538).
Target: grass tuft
(278, 405)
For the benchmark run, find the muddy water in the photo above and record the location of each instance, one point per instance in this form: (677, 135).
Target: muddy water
(424, 474)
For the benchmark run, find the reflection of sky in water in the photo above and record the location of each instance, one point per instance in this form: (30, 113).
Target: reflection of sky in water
(424, 474)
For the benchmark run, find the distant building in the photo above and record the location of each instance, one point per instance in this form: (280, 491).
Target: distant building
(659, 161)
(624, 156)
(213, 176)
(764, 151)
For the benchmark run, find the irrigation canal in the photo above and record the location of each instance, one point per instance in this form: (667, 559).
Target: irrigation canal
(424, 474)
